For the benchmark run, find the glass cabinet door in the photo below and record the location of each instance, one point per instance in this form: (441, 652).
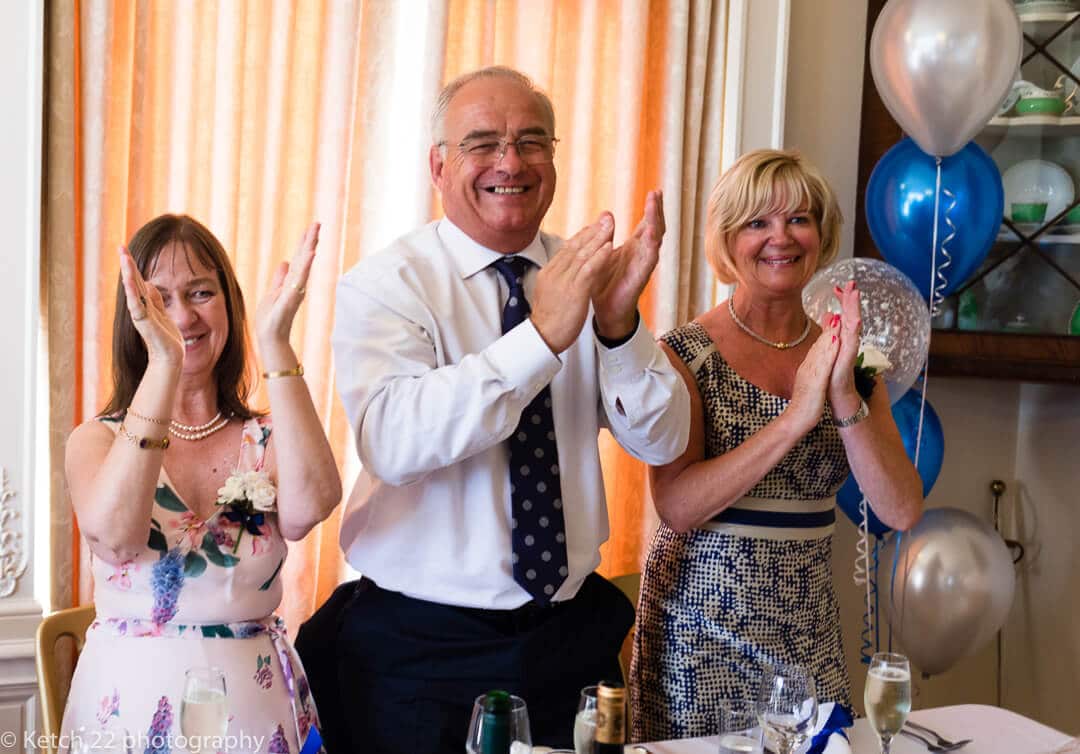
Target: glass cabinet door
(1016, 318)
(1030, 281)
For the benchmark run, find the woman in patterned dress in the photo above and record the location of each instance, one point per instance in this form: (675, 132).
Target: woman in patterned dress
(738, 574)
(186, 503)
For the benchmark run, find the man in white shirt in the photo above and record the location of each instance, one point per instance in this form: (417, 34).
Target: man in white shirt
(476, 382)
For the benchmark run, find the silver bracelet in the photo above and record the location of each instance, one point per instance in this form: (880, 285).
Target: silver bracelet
(858, 416)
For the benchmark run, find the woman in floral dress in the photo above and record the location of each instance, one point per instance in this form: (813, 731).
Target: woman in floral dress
(186, 497)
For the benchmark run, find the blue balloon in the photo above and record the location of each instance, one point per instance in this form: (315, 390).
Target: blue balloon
(900, 211)
(931, 453)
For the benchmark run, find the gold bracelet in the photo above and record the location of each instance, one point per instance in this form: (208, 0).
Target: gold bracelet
(297, 371)
(137, 415)
(145, 443)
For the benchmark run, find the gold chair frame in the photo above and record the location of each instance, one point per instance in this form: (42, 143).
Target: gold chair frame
(72, 622)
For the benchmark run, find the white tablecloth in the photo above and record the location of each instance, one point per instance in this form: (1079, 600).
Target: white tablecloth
(994, 730)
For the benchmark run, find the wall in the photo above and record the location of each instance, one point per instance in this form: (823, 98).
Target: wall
(1026, 435)
(20, 153)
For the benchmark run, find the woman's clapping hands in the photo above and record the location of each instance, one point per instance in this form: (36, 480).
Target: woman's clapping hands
(277, 309)
(162, 338)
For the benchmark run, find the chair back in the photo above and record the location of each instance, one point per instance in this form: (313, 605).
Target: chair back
(72, 622)
(629, 584)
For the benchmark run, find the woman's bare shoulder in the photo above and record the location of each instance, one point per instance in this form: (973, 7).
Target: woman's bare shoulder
(90, 434)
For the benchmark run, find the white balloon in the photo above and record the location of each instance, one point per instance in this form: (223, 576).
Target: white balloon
(943, 67)
(951, 588)
(895, 318)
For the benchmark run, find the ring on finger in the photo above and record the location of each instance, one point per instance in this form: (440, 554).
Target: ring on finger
(140, 317)
(298, 288)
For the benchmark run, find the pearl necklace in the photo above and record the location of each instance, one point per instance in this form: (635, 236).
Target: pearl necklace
(194, 432)
(780, 346)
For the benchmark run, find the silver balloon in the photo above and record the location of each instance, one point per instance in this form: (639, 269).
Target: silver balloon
(895, 318)
(951, 589)
(943, 67)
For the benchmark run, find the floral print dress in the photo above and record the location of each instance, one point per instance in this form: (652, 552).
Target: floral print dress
(201, 594)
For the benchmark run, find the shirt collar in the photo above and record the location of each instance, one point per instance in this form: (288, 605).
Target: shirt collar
(470, 257)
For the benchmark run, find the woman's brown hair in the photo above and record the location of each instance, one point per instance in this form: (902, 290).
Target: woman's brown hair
(232, 372)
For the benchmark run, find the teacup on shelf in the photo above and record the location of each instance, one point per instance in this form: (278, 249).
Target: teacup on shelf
(1042, 106)
(1034, 100)
(1028, 212)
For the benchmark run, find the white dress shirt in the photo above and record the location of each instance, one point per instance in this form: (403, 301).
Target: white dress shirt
(432, 388)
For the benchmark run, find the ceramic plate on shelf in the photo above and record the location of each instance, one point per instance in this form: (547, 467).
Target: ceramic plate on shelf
(1035, 182)
(1011, 98)
(1026, 7)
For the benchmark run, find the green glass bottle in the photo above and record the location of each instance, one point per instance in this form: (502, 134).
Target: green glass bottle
(610, 718)
(967, 315)
(1074, 323)
(495, 729)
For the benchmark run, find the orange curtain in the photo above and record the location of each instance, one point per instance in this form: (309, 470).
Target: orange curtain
(257, 116)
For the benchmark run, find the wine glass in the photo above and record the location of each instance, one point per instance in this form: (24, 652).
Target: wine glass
(739, 731)
(887, 696)
(499, 725)
(787, 705)
(204, 717)
(585, 721)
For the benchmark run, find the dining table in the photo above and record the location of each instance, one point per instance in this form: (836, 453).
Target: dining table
(992, 730)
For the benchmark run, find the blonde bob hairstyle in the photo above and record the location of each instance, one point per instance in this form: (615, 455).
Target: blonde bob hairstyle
(760, 183)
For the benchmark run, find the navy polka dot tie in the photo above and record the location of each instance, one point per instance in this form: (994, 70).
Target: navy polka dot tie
(539, 531)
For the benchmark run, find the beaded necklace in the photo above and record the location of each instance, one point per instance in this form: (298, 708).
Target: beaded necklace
(194, 432)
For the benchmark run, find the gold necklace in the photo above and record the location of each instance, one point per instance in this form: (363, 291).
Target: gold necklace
(780, 346)
(192, 432)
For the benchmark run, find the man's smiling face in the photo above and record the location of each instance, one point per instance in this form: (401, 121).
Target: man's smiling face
(499, 204)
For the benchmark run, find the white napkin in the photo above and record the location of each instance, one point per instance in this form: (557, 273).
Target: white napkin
(837, 743)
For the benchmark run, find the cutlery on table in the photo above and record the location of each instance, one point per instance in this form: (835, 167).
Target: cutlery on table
(930, 745)
(941, 740)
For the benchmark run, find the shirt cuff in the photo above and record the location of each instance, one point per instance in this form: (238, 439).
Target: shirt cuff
(523, 359)
(631, 358)
(616, 342)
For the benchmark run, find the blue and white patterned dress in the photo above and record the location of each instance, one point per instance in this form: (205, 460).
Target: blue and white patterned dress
(752, 586)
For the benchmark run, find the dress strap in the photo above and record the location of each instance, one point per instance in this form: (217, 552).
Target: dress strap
(254, 442)
(692, 344)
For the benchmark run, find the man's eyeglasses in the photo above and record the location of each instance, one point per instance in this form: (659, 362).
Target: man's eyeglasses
(532, 149)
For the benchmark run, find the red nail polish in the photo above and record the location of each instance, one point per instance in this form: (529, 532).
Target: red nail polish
(834, 339)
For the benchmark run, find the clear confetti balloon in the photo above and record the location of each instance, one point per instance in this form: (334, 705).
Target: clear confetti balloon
(895, 318)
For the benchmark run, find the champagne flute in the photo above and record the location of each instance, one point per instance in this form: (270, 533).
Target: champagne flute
(887, 696)
(739, 731)
(585, 721)
(499, 725)
(204, 717)
(787, 705)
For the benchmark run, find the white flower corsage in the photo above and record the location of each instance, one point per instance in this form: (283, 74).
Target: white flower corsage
(251, 490)
(249, 496)
(869, 363)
